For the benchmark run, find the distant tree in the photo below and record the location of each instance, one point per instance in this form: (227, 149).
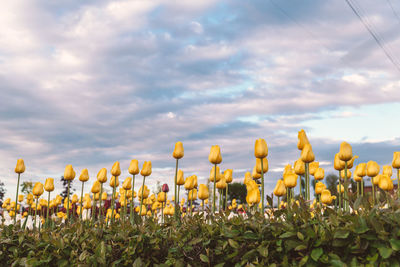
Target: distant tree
(158, 187)
(26, 187)
(238, 191)
(64, 193)
(2, 192)
(331, 183)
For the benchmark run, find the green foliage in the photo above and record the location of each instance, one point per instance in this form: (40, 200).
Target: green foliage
(26, 187)
(371, 237)
(238, 191)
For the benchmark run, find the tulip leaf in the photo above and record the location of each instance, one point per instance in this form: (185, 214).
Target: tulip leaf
(300, 236)
(233, 243)
(316, 253)
(287, 234)
(385, 252)
(341, 234)
(303, 261)
(263, 251)
(300, 247)
(395, 243)
(204, 258)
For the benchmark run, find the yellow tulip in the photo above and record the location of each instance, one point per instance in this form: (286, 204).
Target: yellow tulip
(69, 173)
(87, 204)
(303, 140)
(212, 174)
(20, 167)
(221, 184)
(116, 170)
(326, 197)
(255, 174)
(396, 160)
(134, 167)
(351, 162)
(247, 177)
(97, 196)
(345, 152)
(38, 189)
(228, 175)
(180, 180)
(74, 199)
(20, 198)
(252, 185)
(319, 187)
(290, 180)
(127, 184)
(49, 185)
(260, 149)
(254, 196)
(340, 188)
(161, 197)
(114, 182)
(361, 170)
(84, 177)
(192, 195)
(387, 170)
(372, 168)
(375, 180)
(348, 174)
(215, 155)
(178, 151)
(102, 176)
(104, 196)
(337, 163)
(385, 183)
(288, 170)
(265, 165)
(146, 168)
(313, 167)
(280, 189)
(144, 211)
(299, 167)
(357, 178)
(307, 155)
(203, 192)
(319, 174)
(189, 183)
(146, 192)
(96, 187)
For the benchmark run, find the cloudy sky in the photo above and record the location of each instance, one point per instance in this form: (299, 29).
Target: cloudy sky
(91, 82)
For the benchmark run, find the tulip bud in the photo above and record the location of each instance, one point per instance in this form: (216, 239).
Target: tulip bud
(38, 189)
(127, 185)
(228, 175)
(351, 162)
(49, 185)
(116, 170)
(165, 188)
(84, 177)
(104, 196)
(192, 195)
(221, 184)
(387, 170)
(189, 183)
(307, 154)
(299, 167)
(372, 168)
(97, 196)
(20, 198)
(326, 197)
(319, 187)
(319, 174)
(20, 168)
(161, 197)
(102, 175)
(69, 173)
(96, 187)
(345, 152)
(375, 180)
(134, 167)
(303, 140)
(114, 182)
(146, 192)
(178, 151)
(260, 149)
(253, 197)
(361, 170)
(180, 180)
(265, 165)
(342, 174)
(396, 160)
(146, 168)
(357, 178)
(280, 189)
(337, 163)
(313, 167)
(290, 180)
(385, 183)
(203, 192)
(255, 174)
(215, 155)
(74, 199)
(212, 174)
(247, 178)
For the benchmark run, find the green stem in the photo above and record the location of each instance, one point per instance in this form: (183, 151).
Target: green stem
(113, 202)
(340, 192)
(226, 197)
(141, 199)
(362, 187)
(34, 224)
(300, 195)
(191, 201)
(203, 205)
(100, 209)
(307, 181)
(94, 208)
(358, 189)
(69, 183)
(373, 191)
(179, 189)
(175, 195)
(48, 208)
(215, 181)
(278, 203)
(398, 183)
(82, 202)
(16, 202)
(132, 197)
(262, 187)
(346, 201)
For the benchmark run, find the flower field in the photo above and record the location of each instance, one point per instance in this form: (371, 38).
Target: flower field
(143, 228)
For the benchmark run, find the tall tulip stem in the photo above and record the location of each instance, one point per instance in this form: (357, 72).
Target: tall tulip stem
(48, 209)
(100, 199)
(133, 197)
(215, 182)
(398, 183)
(176, 192)
(113, 203)
(262, 187)
(191, 201)
(307, 177)
(82, 201)
(373, 191)
(226, 196)
(141, 199)
(300, 194)
(346, 201)
(340, 192)
(69, 184)
(16, 201)
(34, 224)
(358, 189)
(277, 206)
(179, 189)
(202, 201)
(362, 187)
(94, 208)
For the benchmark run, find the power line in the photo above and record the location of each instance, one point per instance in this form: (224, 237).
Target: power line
(374, 35)
(393, 10)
